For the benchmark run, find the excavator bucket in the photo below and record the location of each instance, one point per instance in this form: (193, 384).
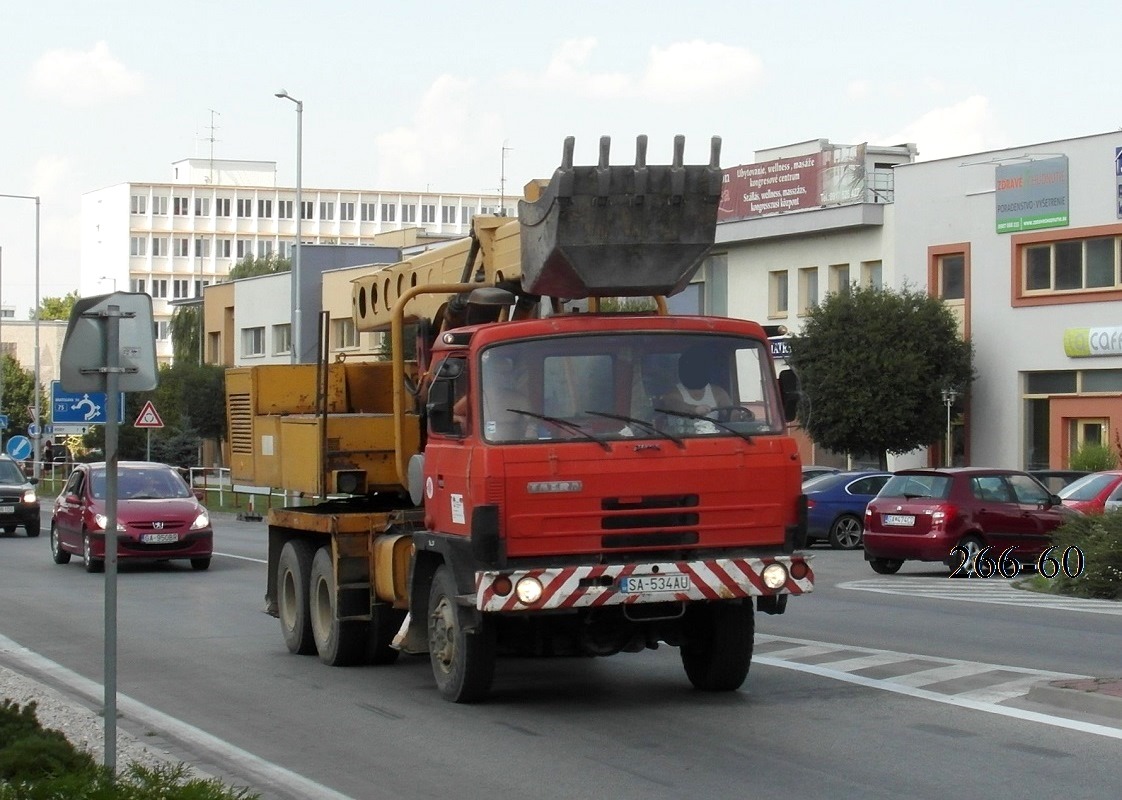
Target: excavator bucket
(618, 231)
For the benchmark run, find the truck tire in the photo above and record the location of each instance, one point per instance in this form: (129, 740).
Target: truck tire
(385, 622)
(294, 570)
(463, 664)
(340, 644)
(718, 649)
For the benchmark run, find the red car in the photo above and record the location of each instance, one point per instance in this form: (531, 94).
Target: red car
(158, 517)
(1089, 494)
(924, 514)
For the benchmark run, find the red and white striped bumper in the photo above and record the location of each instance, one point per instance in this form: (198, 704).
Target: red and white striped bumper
(585, 587)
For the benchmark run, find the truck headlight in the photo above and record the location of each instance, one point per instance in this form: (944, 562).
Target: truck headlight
(529, 590)
(775, 575)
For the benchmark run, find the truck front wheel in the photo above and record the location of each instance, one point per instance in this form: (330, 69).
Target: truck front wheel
(463, 663)
(294, 570)
(717, 650)
(339, 643)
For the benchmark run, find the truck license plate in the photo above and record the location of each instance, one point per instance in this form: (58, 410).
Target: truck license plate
(7, 509)
(666, 582)
(903, 520)
(159, 538)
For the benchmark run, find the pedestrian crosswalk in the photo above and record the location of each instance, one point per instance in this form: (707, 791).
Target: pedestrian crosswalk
(979, 590)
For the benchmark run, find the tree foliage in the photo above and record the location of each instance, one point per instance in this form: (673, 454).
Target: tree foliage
(249, 266)
(18, 395)
(55, 308)
(186, 328)
(873, 364)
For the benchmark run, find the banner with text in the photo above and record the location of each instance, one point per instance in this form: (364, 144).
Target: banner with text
(1032, 195)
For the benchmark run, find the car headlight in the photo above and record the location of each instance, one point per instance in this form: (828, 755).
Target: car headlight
(201, 521)
(775, 575)
(29, 496)
(102, 522)
(529, 590)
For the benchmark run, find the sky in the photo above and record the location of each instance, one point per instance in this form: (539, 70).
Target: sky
(464, 98)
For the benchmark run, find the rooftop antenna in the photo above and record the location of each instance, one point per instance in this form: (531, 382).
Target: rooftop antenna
(502, 177)
(212, 140)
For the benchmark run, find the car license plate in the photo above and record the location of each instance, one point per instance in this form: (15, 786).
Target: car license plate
(7, 509)
(903, 520)
(159, 538)
(665, 582)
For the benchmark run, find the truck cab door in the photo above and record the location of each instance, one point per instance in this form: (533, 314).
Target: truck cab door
(449, 448)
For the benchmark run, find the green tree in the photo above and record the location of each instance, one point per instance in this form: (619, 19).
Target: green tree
(18, 395)
(55, 308)
(249, 266)
(186, 328)
(872, 364)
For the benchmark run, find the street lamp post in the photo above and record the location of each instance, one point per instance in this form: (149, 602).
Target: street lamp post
(38, 411)
(296, 337)
(949, 395)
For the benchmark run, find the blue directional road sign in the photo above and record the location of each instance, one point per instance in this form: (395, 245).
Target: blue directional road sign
(18, 447)
(3, 421)
(81, 408)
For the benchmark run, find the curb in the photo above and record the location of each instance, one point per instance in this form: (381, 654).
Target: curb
(1099, 696)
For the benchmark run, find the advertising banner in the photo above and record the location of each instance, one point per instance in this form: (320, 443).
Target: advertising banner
(828, 177)
(1032, 195)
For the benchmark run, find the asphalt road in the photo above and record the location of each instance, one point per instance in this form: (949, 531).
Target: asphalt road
(911, 686)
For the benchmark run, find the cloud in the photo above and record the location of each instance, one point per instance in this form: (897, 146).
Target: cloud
(677, 72)
(969, 126)
(83, 78)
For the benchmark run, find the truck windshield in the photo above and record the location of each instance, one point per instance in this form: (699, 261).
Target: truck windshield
(628, 385)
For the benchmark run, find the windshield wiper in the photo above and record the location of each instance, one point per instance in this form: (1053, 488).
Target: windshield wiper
(642, 423)
(690, 415)
(564, 424)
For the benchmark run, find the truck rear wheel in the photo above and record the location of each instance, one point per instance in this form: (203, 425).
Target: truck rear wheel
(463, 663)
(717, 651)
(339, 643)
(294, 570)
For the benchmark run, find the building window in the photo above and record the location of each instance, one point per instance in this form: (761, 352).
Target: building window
(222, 207)
(138, 245)
(344, 334)
(284, 209)
(223, 248)
(253, 341)
(202, 247)
(326, 210)
(308, 209)
(952, 276)
(214, 348)
(408, 213)
(282, 339)
(264, 248)
(466, 213)
(346, 212)
(182, 246)
(160, 206)
(160, 330)
(159, 246)
(180, 206)
(871, 274)
(245, 209)
(199, 285)
(369, 212)
(244, 248)
(839, 278)
(138, 285)
(159, 287)
(389, 212)
(1075, 265)
(428, 213)
(448, 215)
(202, 206)
(138, 204)
(179, 288)
(808, 289)
(777, 294)
(265, 209)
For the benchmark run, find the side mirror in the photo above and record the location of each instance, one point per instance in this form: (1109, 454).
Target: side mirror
(790, 393)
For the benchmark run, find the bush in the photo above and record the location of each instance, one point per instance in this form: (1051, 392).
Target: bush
(1094, 458)
(40, 764)
(1099, 539)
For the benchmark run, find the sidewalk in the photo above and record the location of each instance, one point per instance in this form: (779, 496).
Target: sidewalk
(1099, 696)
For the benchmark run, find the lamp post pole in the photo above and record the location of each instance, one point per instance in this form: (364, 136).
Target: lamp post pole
(949, 396)
(35, 444)
(296, 337)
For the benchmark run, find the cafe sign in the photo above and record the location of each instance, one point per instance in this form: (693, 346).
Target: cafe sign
(1088, 342)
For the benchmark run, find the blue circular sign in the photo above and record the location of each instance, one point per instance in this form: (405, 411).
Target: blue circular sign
(33, 430)
(18, 447)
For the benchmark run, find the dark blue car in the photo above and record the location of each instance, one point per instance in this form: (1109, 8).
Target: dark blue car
(836, 506)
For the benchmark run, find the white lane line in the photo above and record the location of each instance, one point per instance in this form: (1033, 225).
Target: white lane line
(982, 591)
(243, 558)
(984, 699)
(216, 749)
(926, 677)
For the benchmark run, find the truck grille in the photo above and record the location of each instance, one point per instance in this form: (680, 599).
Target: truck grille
(655, 521)
(241, 424)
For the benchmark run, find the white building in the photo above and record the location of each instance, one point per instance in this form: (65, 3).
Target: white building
(171, 239)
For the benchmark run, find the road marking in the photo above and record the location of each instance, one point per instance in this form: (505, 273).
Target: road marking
(243, 558)
(202, 742)
(981, 590)
(966, 684)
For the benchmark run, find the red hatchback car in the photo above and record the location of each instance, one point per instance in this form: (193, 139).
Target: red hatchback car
(158, 517)
(1090, 493)
(922, 514)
